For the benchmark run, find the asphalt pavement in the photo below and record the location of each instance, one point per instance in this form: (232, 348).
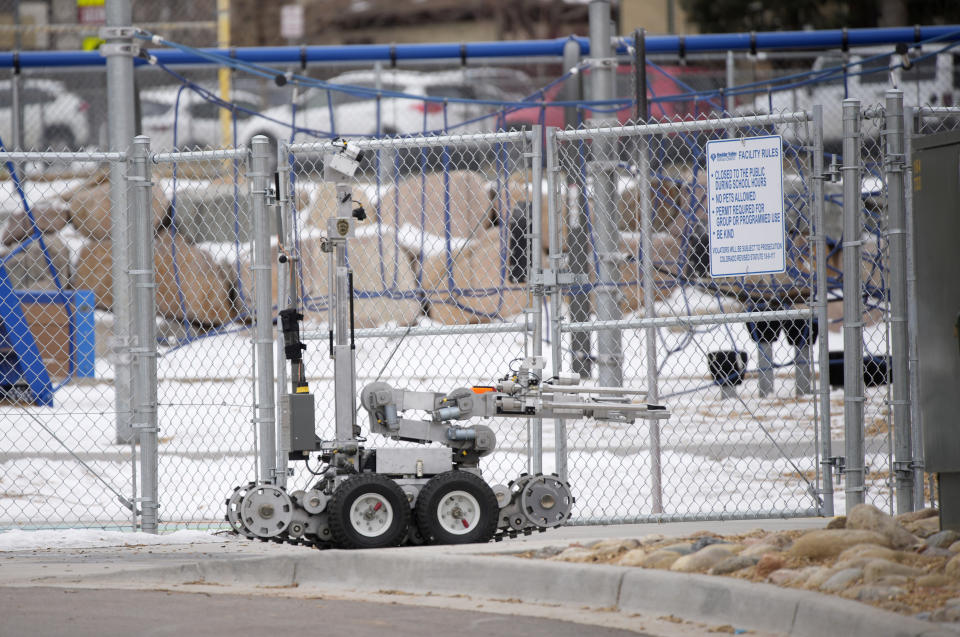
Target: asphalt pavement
(49, 612)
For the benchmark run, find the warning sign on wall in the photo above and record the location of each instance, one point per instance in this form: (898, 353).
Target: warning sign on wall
(745, 206)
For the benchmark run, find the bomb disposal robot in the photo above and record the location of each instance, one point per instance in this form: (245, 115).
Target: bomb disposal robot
(368, 498)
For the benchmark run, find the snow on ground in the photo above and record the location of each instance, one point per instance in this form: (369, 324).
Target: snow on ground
(17, 540)
(718, 456)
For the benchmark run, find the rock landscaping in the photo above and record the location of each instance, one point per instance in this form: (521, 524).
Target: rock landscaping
(904, 564)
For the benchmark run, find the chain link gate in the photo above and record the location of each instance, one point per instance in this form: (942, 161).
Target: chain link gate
(882, 424)
(744, 437)
(442, 297)
(206, 371)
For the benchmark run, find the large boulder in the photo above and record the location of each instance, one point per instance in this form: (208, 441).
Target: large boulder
(421, 201)
(90, 209)
(383, 280)
(669, 199)
(317, 202)
(870, 518)
(702, 560)
(191, 285)
(48, 216)
(477, 286)
(30, 269)
(508, 194)
(828, 543)
(665, 258)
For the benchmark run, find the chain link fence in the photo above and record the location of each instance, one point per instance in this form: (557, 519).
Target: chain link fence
(447, 289)
(742, 438)
(63, 461)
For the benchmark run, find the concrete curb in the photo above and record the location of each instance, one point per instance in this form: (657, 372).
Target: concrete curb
(704, 598)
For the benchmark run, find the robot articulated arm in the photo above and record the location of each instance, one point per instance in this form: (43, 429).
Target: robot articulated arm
(385, 406)
(520, 395)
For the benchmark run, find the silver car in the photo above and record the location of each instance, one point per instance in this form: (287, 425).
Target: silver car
(344, 112)
(195, 120)
(53, 117)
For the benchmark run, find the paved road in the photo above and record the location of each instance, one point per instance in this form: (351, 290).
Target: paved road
(40, 612)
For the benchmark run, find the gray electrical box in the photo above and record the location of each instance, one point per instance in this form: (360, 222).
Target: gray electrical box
(303, 435)
(936, 214)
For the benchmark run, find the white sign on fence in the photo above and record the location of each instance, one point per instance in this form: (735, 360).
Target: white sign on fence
(745, 206)
(291, 21)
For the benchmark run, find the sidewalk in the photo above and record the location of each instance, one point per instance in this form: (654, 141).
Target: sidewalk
(479, 572)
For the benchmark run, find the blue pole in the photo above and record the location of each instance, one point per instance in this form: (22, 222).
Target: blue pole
(715, 42)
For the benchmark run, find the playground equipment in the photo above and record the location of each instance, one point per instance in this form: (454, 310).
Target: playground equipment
(369, 498)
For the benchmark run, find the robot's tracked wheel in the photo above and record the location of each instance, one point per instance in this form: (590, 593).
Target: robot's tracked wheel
(266, 511)
(545, 500)
(457, 507)
(368, 511)
(233, 509)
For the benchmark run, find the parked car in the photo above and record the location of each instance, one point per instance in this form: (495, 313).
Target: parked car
(197, 120)
(659, 85)
(53, 117)
(349, 113)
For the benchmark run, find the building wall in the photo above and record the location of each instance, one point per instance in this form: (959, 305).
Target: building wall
(652, 16)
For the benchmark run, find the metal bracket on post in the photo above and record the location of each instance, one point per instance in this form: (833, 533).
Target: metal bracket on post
(839, 463)
(111, 49)
(117, 33)
(601, 63)
(554, 279)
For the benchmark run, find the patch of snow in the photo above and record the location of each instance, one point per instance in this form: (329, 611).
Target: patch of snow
(17, 540)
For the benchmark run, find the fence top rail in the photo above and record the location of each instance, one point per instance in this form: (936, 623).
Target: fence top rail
(439, 330)
(553, 48)
(698, 319)
(938, 111)
(474, 139)
(60, 156)
(200, 155)
(642, 130)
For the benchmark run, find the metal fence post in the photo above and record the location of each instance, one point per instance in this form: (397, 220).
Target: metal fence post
(263, 305)
(535, 275)
(16, 110)
(284, 217)
(897, 239)
(578, 241)
(602, 167)
(120, 131)
(853, 390)
(731, 77)
(647, 214)
(145, 330)
(556, 260)
(820, 245)
(916, 426)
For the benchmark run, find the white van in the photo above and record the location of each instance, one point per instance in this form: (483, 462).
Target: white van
(933, 81)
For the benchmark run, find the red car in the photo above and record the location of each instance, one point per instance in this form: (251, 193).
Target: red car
(659, 84)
